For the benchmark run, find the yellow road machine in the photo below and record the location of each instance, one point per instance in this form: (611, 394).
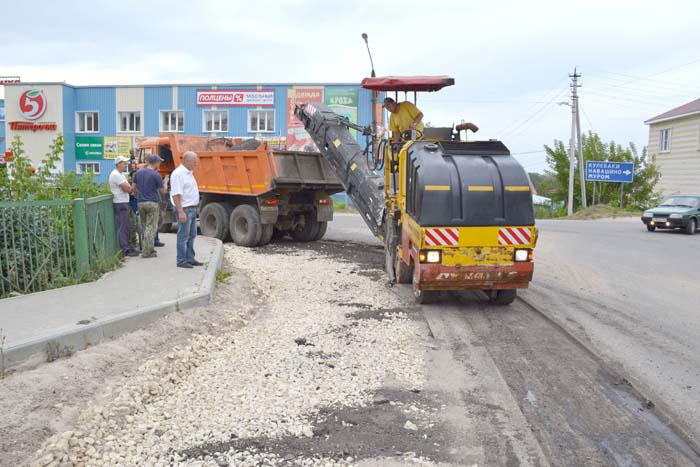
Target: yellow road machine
(454, 215)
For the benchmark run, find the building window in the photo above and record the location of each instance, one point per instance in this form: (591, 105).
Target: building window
(88, 122)
(215, 121)
(665, 140)
(89, 168)
(129, 122)
(172, 120)
(261, 121)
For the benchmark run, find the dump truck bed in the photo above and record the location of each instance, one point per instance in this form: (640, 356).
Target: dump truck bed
(250, 167)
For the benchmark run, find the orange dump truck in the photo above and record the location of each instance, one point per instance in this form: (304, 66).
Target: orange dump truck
(250, 192)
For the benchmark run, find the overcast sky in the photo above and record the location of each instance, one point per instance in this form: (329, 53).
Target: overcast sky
(510, 59)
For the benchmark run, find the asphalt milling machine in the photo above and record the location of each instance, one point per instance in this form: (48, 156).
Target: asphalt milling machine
(454, 215)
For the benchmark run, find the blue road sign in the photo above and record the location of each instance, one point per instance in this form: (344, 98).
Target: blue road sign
(617, 172)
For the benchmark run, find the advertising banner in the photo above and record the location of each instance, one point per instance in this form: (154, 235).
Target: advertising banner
(343, 101)
(89, 147)
(234, 98)
(116, 146)
(297, 138)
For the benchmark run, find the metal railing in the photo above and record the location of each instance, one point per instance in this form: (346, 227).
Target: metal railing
(49, 244)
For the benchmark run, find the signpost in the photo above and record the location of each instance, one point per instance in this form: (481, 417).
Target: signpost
(613, 172)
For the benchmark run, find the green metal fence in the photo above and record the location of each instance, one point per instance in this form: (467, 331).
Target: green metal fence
(48, 244)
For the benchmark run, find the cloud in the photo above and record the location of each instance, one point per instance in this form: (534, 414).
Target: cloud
(510, 59)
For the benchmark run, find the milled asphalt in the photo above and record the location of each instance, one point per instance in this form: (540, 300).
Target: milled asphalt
(139, 292)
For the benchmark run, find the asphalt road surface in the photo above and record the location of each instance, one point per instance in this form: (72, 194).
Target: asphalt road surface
(603, 353)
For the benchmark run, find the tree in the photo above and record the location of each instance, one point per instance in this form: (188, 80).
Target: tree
(636, 195)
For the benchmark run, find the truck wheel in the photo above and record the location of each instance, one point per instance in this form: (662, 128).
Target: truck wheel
(322, 227)
(165, 227)
(651, 228)
(308, 231)
(245, 226)
(277, 233)
(213, 221)
(691, 227)
(404, 272)
(267, 231)
(503, 297)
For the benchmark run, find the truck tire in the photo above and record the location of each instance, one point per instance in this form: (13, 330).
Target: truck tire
(308, 231)
(691, 227)
(245, 226)
(165, 227)
(266, 237)
(277, 233)
(503, 297)
(322, 228)
(214, 220)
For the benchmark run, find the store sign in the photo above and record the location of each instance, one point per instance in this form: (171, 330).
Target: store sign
(297, 137)
(115, 146)
(32, 104)
(343, 101)
(9, 80)
(89, 147)
(31, 126)
(229, 98)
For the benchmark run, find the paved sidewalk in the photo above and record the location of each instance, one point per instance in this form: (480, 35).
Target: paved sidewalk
(139, 292)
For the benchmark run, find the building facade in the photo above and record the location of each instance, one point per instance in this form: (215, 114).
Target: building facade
(99, 123)
(674, 144)
(3, 143)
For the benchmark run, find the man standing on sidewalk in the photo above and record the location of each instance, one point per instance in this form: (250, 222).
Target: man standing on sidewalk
(149, 186)
(185, 197)
(120, 202)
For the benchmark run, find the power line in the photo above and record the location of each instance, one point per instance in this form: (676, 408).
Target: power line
(515, 121)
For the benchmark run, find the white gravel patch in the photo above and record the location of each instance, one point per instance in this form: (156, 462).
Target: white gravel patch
(268, 379)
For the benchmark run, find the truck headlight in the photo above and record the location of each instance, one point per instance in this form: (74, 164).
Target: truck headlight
(522, 255)
(430, 256)
(675, 216)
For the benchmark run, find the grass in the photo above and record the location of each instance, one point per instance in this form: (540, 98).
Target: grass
(222, 276)
(603, 211)
(54, 351)
(343, 207)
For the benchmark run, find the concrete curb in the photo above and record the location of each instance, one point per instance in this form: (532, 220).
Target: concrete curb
(78, 337)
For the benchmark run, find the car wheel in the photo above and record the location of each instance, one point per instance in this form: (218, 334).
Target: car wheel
(691, 227)
(651, 228)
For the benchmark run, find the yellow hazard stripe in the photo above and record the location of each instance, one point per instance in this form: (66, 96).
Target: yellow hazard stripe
(437, 188)
(353, 166)
(517, 188)
(336, 143)
(258, 185)
(480, 188)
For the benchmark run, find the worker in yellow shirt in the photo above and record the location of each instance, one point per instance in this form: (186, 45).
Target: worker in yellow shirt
(404, 117)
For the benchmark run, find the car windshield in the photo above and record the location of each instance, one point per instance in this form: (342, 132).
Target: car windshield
(684, 201)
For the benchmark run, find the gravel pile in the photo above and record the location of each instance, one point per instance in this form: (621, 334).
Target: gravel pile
(269, 379)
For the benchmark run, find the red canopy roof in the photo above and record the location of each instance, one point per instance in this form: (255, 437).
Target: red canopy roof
(407, 83)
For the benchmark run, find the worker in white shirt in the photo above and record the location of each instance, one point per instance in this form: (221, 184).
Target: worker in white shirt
(121, 188)
(184, 194)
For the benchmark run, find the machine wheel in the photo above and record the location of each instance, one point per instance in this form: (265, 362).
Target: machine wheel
(246, 228)
(213, 221)
(322, 227)
(423, 297)
(691, 227)
(503, 297)
(404, 272)
(308, 231)
(266, 237)
(651, 228)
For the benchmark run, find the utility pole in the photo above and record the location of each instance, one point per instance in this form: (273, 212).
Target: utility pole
(581, 168)
(574, 143)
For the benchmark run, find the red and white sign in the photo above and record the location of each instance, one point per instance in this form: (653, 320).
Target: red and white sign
(514, 236)
(31, 126)
(442, 237)
(32, 104)
(9, 80)
(229, 98)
